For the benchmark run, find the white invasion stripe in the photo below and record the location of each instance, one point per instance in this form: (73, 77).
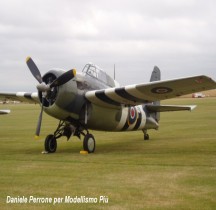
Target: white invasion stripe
(20, 94)
(123, 119)
(93, 98)
(131, 127)
(143, 121)
(112, 94)
(34, 95)
(131, 89)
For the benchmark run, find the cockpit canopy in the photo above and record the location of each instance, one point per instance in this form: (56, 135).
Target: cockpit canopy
(95, 72)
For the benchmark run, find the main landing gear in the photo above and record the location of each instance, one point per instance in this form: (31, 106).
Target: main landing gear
(50, 143)
(68, 130)
(89, 143)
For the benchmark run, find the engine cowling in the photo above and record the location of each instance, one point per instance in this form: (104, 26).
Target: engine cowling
(63, 102)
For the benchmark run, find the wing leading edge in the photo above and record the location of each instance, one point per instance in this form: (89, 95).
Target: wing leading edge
(150, 92)
(21, 96)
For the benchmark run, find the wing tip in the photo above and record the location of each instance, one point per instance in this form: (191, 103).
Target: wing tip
(192, 107)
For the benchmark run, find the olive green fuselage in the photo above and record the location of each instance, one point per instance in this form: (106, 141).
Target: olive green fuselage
(69, 104)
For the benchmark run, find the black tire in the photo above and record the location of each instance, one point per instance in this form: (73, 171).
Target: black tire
(50, 143)
(89, 143)
(146, 137)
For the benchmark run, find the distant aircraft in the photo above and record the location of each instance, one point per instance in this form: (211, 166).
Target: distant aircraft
(93, 100)
(4, 111)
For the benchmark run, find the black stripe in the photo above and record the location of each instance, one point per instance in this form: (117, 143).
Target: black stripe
(103, 97)
(124, 94)
(138, 122)
(27, 95)
(126, 125)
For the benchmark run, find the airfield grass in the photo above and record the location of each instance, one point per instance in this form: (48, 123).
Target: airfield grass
(176, 169)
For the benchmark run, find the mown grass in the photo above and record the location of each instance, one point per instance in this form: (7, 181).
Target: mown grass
(176, 169)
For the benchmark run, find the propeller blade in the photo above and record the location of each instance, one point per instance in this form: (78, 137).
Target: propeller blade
(37, 133)
(34, 69)
(64, 78)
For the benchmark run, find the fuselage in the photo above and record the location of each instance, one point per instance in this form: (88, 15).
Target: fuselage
(68, 103)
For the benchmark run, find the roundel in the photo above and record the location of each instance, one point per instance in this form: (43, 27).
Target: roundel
(132, 115)
(161, 90)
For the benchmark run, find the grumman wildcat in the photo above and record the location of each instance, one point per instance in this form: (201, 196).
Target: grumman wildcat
(91, 99)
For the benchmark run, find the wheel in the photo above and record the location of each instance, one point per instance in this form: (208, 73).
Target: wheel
(50, 143)
(89, 143)
(146, 136)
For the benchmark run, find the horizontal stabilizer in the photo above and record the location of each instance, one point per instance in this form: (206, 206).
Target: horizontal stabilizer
(169, 108)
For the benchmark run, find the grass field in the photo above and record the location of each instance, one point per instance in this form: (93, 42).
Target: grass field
(176, 169)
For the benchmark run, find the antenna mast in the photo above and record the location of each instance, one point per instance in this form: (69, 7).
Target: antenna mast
(114, 72)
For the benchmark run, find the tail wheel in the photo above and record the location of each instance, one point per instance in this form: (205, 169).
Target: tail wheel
(50, 143)
(89, 143)
(146, 136)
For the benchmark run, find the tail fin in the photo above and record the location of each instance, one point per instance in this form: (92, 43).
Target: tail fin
(156, 76)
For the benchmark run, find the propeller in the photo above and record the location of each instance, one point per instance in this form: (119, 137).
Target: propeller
(34, 69)
(44, 88)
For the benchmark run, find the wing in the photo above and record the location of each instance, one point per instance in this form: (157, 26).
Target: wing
(150, 92)
(5, 111)
(21, 96)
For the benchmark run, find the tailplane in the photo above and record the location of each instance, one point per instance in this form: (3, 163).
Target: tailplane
(155, 108)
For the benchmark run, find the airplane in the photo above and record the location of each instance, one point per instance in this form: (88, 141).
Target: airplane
(91, 99)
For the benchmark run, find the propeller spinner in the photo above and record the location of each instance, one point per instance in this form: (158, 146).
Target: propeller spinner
(45, 88)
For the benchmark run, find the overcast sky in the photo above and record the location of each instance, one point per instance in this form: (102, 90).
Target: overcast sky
(178, 36)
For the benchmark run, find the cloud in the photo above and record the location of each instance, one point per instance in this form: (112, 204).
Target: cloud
(178, 36)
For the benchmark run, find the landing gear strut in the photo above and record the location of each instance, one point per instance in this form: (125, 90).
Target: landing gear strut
(68, 130)
(63, 129)
(146, 136)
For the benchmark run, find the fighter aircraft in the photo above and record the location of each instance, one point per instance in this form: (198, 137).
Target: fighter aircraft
(91, 99)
